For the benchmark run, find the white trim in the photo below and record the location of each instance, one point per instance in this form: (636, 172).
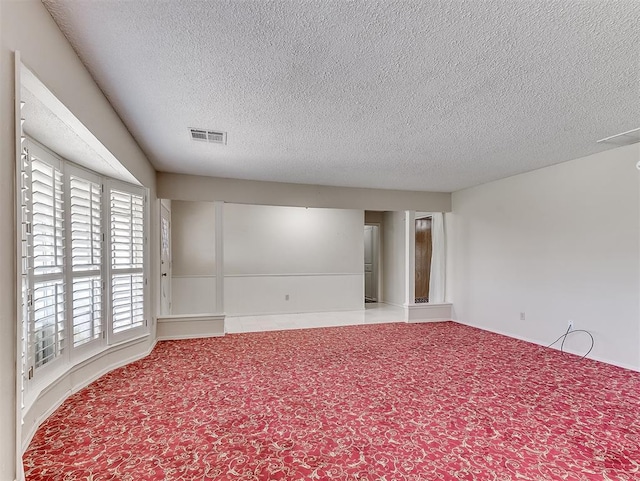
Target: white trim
(117, 185)
(428, 312)
(428, 304)
(182, 337)
(44, 154)
(219, 253)
(67, 269)
(20, 387)
(190, 326)
(166, 273)
(195, 276)
(378, 240)
(392, 303)
(423, 321)
(410, 256)
(191, 317)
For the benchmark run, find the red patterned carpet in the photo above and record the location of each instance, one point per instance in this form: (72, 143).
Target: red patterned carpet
(378, 402)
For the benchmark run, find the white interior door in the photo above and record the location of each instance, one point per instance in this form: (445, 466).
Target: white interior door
(165, 261)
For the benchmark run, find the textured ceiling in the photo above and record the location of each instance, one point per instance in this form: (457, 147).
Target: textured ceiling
(385, 94)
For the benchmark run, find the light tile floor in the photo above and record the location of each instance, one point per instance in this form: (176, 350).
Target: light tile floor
(373, 313)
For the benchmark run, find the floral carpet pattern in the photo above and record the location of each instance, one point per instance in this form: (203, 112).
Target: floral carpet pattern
(385, 402)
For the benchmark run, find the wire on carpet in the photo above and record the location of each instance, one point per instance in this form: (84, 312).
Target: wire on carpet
(564, 338)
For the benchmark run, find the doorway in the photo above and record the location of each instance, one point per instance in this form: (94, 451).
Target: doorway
(423, 259)
(371, 253)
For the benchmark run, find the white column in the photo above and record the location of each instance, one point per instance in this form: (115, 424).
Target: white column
(219, 250)
(410, 257)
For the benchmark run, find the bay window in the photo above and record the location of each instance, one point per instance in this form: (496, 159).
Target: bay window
(83, 269)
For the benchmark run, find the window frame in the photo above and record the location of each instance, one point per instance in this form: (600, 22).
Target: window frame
(81, 351)
(116, 337)
(33, 371)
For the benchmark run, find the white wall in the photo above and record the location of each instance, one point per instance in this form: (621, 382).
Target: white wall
(449, 262)
(8, 341)
(27, 26)
(394, 278)
(193, 237)
(313, 255)
(558, 243)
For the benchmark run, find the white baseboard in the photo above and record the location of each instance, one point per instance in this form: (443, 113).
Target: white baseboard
(395, 304)
(190, 326)
(427, 312)
(418, 321)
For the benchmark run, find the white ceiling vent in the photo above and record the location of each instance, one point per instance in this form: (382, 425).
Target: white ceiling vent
(625, 138)
(213, 136)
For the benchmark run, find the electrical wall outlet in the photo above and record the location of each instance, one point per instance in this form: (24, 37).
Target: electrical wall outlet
(570, 325)
(522, 316)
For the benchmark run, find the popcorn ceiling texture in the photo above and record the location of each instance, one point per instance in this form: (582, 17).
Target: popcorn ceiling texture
(385, 94)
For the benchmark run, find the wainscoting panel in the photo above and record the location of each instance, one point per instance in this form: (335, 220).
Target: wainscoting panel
(428, 312)
(289, 293)
(190, 326)
(193, 294)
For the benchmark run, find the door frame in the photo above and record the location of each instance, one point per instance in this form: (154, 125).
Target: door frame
(377, 259)
(165, 272)
(418, 216)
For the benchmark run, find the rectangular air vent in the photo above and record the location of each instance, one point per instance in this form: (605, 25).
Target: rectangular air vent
(213, 136)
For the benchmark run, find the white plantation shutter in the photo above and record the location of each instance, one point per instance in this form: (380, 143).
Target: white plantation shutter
(83, 242)
(85, 204)
(46, 303)
(127, 259)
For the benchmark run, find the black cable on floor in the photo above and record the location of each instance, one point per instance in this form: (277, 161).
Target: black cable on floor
(564, 338)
